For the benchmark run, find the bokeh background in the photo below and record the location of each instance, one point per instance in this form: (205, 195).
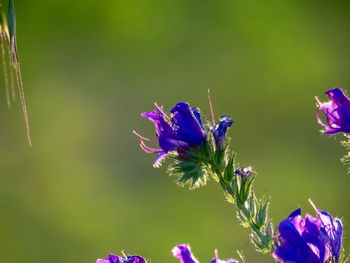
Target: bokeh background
(85, 189)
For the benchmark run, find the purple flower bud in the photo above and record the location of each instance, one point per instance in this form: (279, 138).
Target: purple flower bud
(183, 253)
(219, 131)
(180, 133)
(300, 240)
(125, 259)
(331, 233)
(337, 112)
(245, 172)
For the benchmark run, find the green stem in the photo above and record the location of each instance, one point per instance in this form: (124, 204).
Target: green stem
(265, 239)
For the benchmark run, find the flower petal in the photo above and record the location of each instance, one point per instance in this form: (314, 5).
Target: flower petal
(186, 125)
(111, 259)
(336, 95)
(332, 233)
(219, 131)
(134, 259)
(183, 253)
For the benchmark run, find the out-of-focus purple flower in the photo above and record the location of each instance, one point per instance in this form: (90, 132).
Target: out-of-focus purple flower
(125, 259)
(300, 240)
(219, 131)
(217, 260)
(180, 133)
(337, 112)
(331, 233)
(183, 253)
(245, 172)
(111, 259)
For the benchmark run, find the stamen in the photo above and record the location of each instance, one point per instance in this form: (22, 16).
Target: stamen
(318, 101)
(320, 121)
(147, 147)
(211, 107)
(161, 110)
(313, 205)
(124, 254)
(148, 151)
(146, 139)
(216, 254)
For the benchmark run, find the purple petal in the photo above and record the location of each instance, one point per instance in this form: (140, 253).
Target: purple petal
(186, 124)
(183, 253)
(332, 233)
(337, 96)
(220, 129)
(111, 259)
(196, 112)
(134, 259)
(159, 159)
(311, 236)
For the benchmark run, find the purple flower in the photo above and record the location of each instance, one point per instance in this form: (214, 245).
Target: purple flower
(331, 233)
(337, 112)
(300, 240)
(125, 259)
(219, 131)
(245, 172)
(181, 132)
(183, 253)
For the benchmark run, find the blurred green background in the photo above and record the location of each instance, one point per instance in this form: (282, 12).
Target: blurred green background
(85, 189)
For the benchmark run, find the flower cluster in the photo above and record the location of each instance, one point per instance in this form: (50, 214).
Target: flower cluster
(193, 146)
(124, 259)
(200, 153)
(182, 132)
(309, 240)
(181, 252)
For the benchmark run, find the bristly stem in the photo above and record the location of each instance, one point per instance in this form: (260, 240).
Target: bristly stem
(210, 162)
(252, 213)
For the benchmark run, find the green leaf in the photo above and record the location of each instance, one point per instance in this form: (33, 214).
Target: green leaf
(262, 212)
(257, 243)
(252, 206)
(229, 170)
